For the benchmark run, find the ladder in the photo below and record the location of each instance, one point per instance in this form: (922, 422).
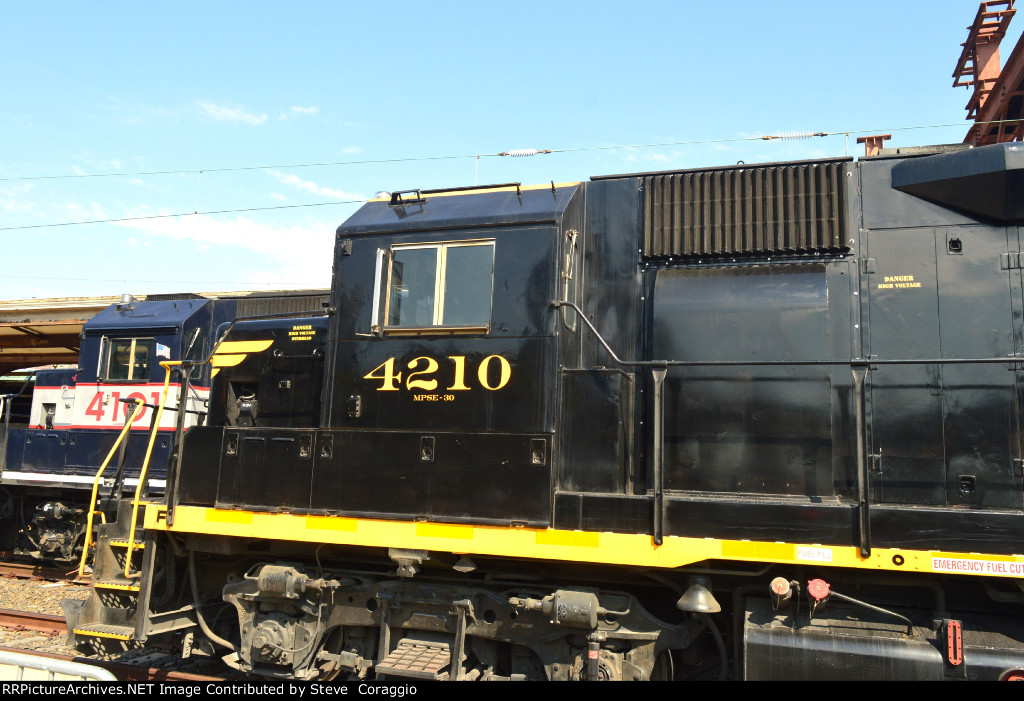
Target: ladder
(114, 616)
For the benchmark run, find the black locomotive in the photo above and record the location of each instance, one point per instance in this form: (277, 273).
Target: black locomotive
(754, 422)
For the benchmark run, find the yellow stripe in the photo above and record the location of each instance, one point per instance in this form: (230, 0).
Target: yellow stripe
(1001, 558)
(444, 530)
(330, 523)
(752, 550)
(575, 539)
(219, 516)
(244, 346)
(226, 361)
(634, 550)
(485, 191)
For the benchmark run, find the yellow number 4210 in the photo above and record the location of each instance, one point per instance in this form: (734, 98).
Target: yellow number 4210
(423, 370)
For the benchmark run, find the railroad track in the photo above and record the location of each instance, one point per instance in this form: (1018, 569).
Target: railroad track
(123, 672)
(39, 622)
(49, 573)
(52, 626)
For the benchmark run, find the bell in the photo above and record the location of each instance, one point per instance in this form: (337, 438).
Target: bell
(698, 598)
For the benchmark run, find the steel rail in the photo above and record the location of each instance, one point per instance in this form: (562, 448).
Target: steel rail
(14, 569)
(39, 622)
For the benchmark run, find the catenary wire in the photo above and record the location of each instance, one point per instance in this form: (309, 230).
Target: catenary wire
(765, 137)
(245, 283)
(181, 214)
(399, 160)
(689, 142)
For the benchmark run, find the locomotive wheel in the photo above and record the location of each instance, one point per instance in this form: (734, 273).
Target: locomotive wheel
(664, 668)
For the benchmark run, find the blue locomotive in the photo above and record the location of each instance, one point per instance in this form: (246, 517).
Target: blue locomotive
(61, 426)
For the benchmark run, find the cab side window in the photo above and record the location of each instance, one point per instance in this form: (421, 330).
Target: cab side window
(127, 359)
(440, 287)
(195, 346)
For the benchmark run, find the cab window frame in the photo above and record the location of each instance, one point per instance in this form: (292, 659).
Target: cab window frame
(439, 294)
(113, 350)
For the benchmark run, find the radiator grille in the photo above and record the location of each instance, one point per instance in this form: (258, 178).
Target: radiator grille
(255, 306)
(791, 209)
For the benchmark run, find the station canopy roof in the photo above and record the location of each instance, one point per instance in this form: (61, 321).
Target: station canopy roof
(44, 332)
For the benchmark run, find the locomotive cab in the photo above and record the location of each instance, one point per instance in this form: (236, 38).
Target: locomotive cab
(50, 462)
(444, 377)
(122, 348)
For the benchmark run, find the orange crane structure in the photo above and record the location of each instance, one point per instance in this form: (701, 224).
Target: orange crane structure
(997, 102)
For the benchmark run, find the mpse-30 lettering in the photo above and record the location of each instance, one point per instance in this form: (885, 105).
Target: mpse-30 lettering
(424, 368)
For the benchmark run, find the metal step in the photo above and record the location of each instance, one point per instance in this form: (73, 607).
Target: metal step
(119, 585)
(110, 617)
(417, 659)
(100, 630)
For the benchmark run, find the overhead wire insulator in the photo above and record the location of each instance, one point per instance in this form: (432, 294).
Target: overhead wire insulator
(792, 135)
(520, 152)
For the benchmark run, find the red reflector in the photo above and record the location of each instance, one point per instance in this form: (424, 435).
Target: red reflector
(954, 643)
(1012, 675)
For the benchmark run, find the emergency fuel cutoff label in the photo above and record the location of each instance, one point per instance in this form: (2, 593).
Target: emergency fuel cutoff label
(958, 565)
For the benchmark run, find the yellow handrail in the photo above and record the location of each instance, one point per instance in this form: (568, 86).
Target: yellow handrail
(166, 365)
(96, 485)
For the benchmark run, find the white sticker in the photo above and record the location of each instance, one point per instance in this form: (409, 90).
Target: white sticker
(814, 554)
(955, 564)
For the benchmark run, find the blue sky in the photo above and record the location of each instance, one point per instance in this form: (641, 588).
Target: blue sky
(223, 107)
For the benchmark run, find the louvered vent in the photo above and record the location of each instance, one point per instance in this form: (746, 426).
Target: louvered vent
(254, 306)
(173, 297)
(775, 209)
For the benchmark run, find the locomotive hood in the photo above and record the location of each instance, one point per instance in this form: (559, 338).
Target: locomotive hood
(986, 181)
(490, 206)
